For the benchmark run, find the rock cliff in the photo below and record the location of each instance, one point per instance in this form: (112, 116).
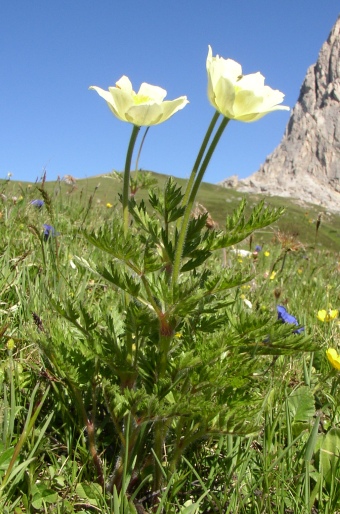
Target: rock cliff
(306, 164)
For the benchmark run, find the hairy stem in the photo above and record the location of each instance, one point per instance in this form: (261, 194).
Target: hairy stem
(90, 427)
(192, 196)
(200, 157)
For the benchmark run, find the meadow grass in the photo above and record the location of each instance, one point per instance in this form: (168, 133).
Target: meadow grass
(63, 419)
(299, 219)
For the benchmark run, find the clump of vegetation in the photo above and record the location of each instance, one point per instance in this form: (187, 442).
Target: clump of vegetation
(155, 360)
(242, 414)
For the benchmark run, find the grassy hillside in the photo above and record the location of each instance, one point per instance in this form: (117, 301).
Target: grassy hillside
(298, 223)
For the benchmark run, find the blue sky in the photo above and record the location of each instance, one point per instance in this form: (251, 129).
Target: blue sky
(51, 51)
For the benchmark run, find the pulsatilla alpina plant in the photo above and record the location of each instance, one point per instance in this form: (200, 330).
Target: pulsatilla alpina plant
(171, 358)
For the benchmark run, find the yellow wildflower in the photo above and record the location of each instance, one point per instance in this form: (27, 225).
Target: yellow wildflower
(329, 315)
(10, 344)
(109, 205)
(266, 253)
(333, 357)
(273, 275)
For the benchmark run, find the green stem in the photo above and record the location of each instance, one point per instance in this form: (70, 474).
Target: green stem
(126, 463)
(126, 183)
(200, 157)
(160, 427)
(206, 161)
(141, 147)
(150, 296)
(91, 433)
(160, 431)
(182, 446)
(193, 193)
(164, 343)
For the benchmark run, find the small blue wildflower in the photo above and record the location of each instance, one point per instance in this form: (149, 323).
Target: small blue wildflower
(37, 203)
(258, 248)
(49, 231)
(285, 317)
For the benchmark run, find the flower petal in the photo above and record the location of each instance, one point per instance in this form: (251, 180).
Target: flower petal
(124, 83)
(333, 357)
(227, 68)
(155, 93)
(224, 97)
(144, 114)
(252, 81)
(285, 317)
(170, 107)
(102, 92)
(109, 98)
(121, 101)
(322, 315)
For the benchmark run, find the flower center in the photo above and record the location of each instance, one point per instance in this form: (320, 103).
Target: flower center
(140, 99)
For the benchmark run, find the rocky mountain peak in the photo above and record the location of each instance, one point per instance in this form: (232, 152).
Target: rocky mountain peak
(306, 164)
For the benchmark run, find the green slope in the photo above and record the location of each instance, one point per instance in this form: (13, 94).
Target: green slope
(298, 223)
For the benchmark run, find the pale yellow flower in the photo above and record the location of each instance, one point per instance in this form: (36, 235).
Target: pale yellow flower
(329, 315)
(10, 344)
(237, 96)
(266, 253)
(144, 108)
(273, 275)
(333, 357)
(109, 205)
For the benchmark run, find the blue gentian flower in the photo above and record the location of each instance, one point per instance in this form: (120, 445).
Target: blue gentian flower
(37, 203)
(49, 231)
(258, 248)
(285, 317)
